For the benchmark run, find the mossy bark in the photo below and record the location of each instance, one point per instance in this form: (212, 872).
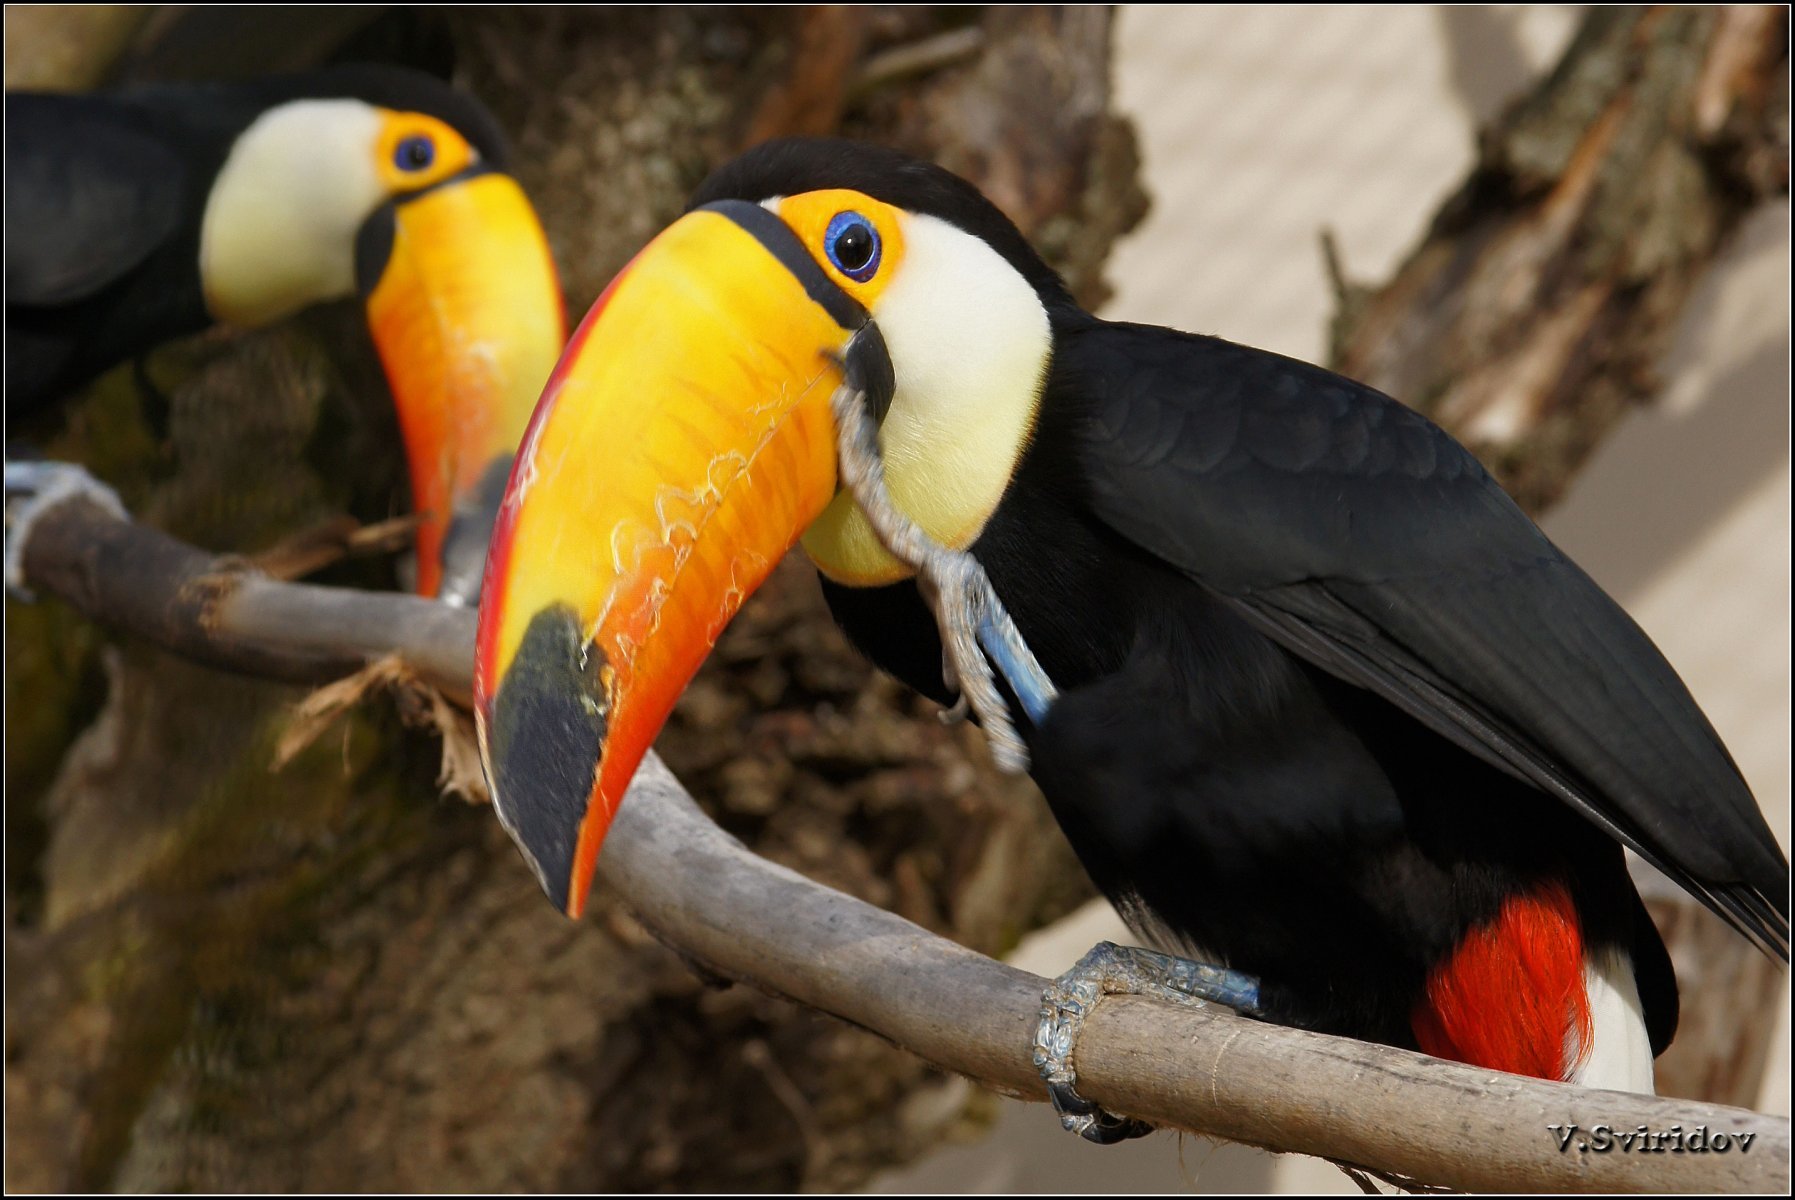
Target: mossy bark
(327, 978)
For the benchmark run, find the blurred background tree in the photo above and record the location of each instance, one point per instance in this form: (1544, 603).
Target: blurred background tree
(327, 978)
(226, 978)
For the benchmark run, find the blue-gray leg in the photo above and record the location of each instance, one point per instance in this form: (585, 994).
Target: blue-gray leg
(1106, 970)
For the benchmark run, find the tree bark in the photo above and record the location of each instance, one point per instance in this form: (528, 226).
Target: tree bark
(322, 978)
(1536, 309)
(67, 47)
(1393, 1113)
(325, 978)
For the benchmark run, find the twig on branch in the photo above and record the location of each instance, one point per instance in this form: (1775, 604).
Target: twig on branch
(916, 58)
(420, 706)
(705, 894)
(332, 540)
(223, 613)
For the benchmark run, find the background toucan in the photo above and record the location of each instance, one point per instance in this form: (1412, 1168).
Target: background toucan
(141, 215)
(1330, 709)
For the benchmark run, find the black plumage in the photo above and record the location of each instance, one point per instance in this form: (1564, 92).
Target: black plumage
(1327, 708)
(1357, 535)
(1328, 698)
(103, 219)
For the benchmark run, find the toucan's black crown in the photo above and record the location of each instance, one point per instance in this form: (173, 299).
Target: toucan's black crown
(232, 106)
(791, 166)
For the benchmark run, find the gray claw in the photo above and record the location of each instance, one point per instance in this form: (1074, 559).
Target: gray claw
(1106, 970)
(1092, 1122)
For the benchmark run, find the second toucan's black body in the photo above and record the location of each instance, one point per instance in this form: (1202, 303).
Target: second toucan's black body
(137, 216)
(1331, 710)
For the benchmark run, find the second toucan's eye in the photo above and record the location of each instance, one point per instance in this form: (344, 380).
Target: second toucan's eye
(852, 245)
(414, 153)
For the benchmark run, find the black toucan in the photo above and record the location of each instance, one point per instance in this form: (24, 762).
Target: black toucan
(137, 216)
(1331, 710)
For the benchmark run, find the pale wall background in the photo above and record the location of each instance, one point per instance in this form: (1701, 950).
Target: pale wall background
(1259, 128)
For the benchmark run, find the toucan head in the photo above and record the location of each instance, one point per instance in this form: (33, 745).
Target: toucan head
(389, 185)
(686, 441)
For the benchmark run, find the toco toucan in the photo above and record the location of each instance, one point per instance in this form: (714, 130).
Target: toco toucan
(137, 216)
(1331, 711)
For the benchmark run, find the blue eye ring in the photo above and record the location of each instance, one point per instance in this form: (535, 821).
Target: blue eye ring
(414, 153)
(852, 244)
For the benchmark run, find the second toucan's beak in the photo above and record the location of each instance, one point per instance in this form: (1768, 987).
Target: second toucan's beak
(684, 442)
(466, 312)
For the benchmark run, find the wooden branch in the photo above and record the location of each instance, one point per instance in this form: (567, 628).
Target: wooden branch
(223, 613)
(707, 896)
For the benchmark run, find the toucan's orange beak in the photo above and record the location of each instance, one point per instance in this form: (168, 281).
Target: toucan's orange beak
(466, 313)
(683, 444)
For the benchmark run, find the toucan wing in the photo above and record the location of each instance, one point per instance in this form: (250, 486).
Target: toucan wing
(1364, 539)
(88, 198)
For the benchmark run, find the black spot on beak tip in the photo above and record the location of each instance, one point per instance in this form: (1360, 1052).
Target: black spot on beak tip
(547, 732)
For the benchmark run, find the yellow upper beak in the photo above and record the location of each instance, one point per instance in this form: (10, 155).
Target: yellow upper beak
(468, 319)
(683, 444)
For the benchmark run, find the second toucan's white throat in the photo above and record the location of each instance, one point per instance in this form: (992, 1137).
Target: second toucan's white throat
(970, 344)
(281, 221)
(284, 212)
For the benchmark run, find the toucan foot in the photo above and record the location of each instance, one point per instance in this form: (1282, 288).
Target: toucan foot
(968, 612)
(1106, 970)
(33, 489)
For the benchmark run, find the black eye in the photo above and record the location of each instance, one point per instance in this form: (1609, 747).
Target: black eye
(852, 244)
(414, 153)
